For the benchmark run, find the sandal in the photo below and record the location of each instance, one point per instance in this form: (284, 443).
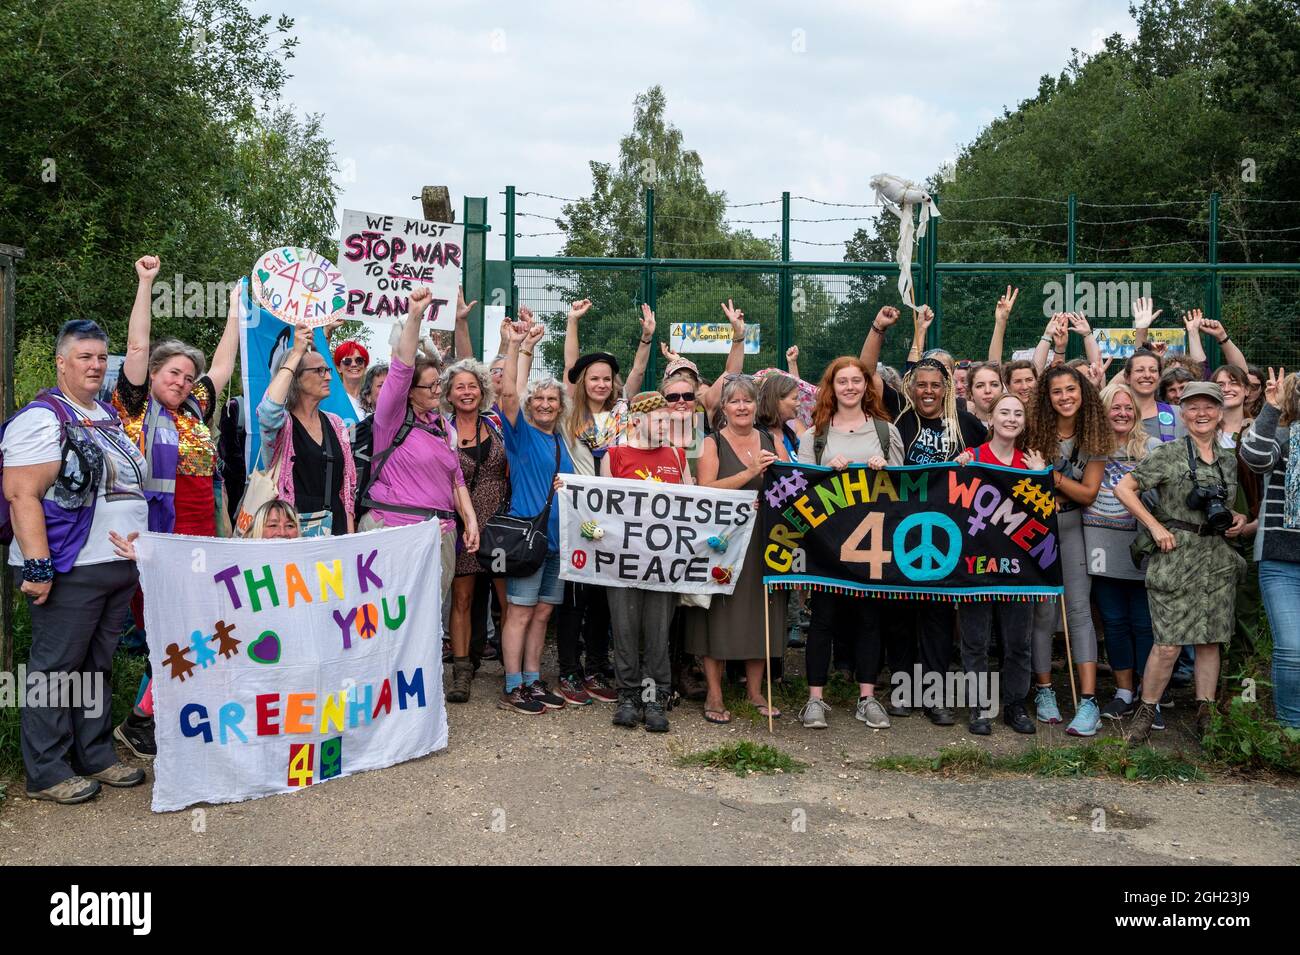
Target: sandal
(712, 716)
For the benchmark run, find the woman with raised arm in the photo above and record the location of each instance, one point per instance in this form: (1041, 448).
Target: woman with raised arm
(467, 393)
(317, 474)
(1004, 448)
(167, 406)
(735, 458)
(537, 455)
(593, 424)
(415, 472)
(704, 397)
(1271, 447)
(1068, 428)
(1001, 314)
(850, 426)
(1118, 585)
(1142, 373)
(1193, 573)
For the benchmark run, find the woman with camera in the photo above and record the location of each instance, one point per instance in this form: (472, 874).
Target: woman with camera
(1193, 573)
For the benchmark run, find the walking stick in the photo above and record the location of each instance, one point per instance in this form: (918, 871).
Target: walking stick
(1069, 657)
(767, 654)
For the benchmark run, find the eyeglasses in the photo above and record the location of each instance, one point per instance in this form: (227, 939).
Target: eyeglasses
(321, 370)
(682, 397)
(433, 387)
(357, 362)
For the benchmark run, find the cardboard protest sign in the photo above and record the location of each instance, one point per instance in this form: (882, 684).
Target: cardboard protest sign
(1117, 343)
(652, 535)
(965, 533)
(282, 664)
(384, 257)
(710, 338)
(299, 285)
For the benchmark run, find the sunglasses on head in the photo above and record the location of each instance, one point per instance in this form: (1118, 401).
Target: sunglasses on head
(684, 397)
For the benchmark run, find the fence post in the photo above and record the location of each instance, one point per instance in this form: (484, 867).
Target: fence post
(648, 290)
(785, 309)
(1213, 305)
(474, 265)
(931, 276)
(510, 249)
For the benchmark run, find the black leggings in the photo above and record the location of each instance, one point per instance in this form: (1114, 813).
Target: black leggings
(584, 616)
(853, 619)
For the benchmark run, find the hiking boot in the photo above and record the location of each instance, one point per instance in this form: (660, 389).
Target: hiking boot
(1117, 709)
(598, 688)
(520, 700)
(120, 775)
(574, 693)
(1086, 719)
(136, 734)
(71, 791)
(940, 715)
(813, 714)
(1204, 716)
(1045, 705)
(543, 695)
(870, 711)
(462, 678)
(655, 720)
(1015, 716)
(1139, 728)
(628, 712)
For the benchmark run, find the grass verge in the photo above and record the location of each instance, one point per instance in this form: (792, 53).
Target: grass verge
(745, 758)
(1107, 757)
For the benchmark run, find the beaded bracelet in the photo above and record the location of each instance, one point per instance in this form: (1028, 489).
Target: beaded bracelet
(38, 571)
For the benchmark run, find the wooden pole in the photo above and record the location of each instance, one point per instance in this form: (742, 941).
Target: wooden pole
(767, 654)
(1069, 656)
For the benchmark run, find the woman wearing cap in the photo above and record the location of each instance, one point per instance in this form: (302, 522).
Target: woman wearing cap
(1118, 586)
(850, 426)
(351, 359)
(641, 618)
(1193, 573)
(1271, 447)
(1067, 426)
(597, 413)
(735, 458)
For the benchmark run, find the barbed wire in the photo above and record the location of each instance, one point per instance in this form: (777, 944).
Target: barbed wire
(958, 202)
(750, 205)
(1271, 202)
(1023, 225)
(842, 205)
(1244, 229)
(1143, 219)
(810, 242)
(1134, 248)
(1137, 205)
(1003, 240)
(545, 196)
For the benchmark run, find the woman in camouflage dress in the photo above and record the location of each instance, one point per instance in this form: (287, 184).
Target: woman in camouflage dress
(1193, 573)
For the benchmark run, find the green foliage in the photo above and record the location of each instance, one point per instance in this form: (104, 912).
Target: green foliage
(33, 366)
(149, 126)
(1248, 738)
(745, 758)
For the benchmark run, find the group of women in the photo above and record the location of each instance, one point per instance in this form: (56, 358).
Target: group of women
(1164, 475)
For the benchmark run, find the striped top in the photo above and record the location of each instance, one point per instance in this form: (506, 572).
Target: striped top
(1264, 450)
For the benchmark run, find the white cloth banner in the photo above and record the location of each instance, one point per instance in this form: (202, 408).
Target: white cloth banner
(652, 535)
(384, 257)
(281, 664)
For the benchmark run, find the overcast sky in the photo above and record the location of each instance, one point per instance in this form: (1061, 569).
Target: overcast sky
(813, 98)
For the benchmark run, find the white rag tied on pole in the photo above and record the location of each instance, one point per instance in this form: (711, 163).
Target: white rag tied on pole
(900, 196)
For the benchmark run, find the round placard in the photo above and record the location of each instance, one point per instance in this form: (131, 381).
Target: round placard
(299, 285)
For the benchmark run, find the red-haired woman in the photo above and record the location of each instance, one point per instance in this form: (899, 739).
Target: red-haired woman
(850, 426)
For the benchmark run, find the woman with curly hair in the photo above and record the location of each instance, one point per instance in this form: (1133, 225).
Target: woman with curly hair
(850, 426)
(1068, 427)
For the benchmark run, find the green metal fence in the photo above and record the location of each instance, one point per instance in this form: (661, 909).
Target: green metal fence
(826, 307)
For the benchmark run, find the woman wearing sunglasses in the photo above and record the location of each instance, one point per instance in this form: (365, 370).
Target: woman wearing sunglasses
(352, 360)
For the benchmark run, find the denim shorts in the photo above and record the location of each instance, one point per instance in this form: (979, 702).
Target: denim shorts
(545, 585)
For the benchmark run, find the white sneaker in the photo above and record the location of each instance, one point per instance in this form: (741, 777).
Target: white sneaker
(814, 713)
(872, 713)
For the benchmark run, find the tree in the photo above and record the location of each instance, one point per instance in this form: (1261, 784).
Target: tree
(149, 126)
